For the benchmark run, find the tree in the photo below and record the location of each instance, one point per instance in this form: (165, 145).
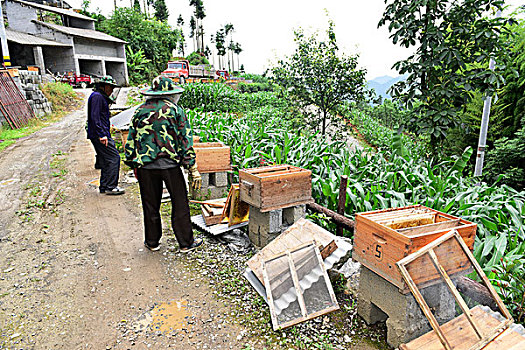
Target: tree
(182, 42)
(219, 45)
(196, 58)
(509, 109)
(137, 65)
(136, 5)
(97, 16)
(193, 26)
(180, 21)
(156, 39)
(161, 10)
(317, 74)
(199, 15)
(228, 30)
(237, 50)
(454, 43)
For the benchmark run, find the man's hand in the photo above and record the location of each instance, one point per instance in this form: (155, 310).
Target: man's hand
(195, 176)
(104, 140)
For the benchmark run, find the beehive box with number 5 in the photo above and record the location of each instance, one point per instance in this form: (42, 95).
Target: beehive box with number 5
(384, 237)
(273, 187)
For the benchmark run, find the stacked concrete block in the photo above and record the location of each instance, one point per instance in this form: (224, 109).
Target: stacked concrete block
(379, 300)
(29, 86)
(214, 185)
(265, 227)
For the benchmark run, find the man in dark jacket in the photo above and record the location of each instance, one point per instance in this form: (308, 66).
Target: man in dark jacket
(108, 158)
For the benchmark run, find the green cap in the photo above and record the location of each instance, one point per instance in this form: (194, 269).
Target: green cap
(106, 79)
(162, 86)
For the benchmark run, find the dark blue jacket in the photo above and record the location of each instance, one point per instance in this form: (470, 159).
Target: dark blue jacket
(98, 116)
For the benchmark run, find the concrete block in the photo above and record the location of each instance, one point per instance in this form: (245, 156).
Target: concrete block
(221, 179)
(264, 227)
(405, 319)
(292, 214)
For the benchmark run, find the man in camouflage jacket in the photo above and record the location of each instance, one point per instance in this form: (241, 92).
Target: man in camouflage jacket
(160, 141)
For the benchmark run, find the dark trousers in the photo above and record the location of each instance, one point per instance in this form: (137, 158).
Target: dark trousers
(108, 159)
(150, 184)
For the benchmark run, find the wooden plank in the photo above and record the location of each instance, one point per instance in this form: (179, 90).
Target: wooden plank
(409, 231)
(326, 251)
(325, 275)
(269, 296)
(463, 337)
(455, 293)
(341, 202)
(266, 169)
(295, 280)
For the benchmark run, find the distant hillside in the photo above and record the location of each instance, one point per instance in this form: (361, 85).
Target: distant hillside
(382, 84)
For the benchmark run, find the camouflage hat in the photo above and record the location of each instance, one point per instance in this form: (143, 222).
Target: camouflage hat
(162, 86)
(106, 79)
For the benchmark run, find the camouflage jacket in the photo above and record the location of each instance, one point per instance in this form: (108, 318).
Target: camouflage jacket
(159, 129)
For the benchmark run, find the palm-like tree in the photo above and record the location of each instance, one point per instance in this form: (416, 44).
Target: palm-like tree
(229, 29)
(237, 49)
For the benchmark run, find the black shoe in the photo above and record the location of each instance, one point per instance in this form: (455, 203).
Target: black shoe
(153, 249)
(115, 191)
(196, 243)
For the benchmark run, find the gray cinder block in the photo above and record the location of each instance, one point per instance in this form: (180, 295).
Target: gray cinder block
(379, 300)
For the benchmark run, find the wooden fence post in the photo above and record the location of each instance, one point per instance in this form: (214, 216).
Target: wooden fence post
(341, 202)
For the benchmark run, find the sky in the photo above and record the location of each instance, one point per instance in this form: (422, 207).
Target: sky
(265, 29)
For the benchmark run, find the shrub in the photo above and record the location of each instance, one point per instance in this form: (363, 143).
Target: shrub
(62, 96)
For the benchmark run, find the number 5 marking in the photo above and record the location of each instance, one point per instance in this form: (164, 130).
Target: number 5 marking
(378, 251)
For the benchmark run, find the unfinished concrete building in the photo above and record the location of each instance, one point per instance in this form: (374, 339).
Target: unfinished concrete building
(36, 39)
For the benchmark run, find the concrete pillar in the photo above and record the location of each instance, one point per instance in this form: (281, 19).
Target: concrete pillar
(39, 59)
(379, 300)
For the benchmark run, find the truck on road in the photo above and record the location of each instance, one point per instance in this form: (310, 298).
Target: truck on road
(182, 70)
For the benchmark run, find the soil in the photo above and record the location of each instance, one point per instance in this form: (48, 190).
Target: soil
(74, 273)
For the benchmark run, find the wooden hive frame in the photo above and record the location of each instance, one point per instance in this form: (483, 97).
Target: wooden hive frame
(429, 250)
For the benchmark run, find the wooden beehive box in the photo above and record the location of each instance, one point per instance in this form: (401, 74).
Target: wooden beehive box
(273, 187)
(384, 237)
(212, 157)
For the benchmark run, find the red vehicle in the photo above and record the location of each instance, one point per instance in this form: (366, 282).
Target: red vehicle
(223, 74)
(182, 69)
(82, 80)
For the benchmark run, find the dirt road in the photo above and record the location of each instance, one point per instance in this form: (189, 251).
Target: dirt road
(73, 271)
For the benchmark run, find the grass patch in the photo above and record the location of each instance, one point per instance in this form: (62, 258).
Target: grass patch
(64, 100)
